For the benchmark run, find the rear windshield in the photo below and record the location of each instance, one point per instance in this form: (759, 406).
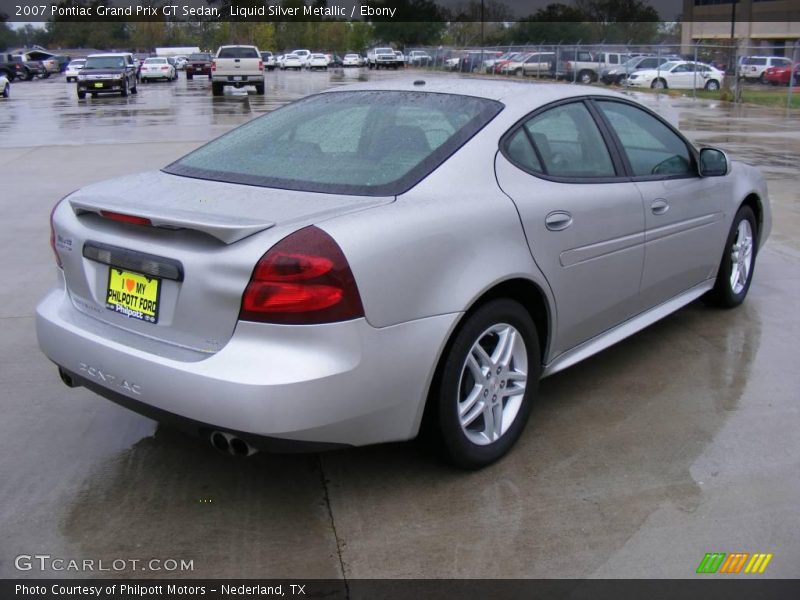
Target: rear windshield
(104, 62)
(238, 52)
(368, 143)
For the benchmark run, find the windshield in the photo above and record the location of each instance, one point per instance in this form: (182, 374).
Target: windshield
(668, 66)
(364, 143)
(200, 56)
(104, 62)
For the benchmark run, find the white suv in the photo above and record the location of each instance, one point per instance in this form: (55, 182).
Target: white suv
(754, 67)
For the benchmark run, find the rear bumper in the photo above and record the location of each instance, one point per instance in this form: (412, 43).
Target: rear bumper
(244, 79)
(335, 384)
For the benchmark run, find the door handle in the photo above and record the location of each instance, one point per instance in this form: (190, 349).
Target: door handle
(659, 206)
(558, 220)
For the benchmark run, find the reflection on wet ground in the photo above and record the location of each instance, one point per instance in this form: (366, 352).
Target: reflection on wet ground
(679, 441)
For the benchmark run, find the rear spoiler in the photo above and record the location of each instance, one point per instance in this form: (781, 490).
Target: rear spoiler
(225, 228)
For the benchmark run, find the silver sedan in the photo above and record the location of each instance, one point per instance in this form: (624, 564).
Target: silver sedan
(383, 256)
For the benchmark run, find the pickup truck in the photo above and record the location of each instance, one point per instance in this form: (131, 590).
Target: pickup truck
(14, 66)
(585, 67)
(238, 66)
(385, 58)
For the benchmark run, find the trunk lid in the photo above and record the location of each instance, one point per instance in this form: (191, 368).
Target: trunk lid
(184, 272)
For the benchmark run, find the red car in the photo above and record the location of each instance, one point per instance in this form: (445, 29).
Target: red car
(780, 75)
(198, 64)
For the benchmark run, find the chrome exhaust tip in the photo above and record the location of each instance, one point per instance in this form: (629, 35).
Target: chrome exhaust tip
(230, 444)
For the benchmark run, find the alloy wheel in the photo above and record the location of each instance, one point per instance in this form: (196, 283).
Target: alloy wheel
(492, 384)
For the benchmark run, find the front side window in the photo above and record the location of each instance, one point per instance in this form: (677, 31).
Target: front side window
(364, 143)
(567, 141)
(652, 148)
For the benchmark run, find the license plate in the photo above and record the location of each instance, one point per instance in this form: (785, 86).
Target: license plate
(238, 78)
(98, 85)
(134, 295)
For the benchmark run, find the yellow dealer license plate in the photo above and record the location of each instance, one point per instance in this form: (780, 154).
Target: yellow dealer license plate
(133, 295)
(98, 85)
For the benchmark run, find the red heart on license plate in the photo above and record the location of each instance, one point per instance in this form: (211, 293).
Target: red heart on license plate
(129, 284)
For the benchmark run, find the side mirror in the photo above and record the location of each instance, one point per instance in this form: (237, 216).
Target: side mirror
(713, 163)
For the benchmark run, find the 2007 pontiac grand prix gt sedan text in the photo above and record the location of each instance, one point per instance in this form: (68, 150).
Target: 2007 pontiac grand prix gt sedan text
(372, 258)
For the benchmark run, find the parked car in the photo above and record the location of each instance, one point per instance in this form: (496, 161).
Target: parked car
(51, 62)
(679, 74)
(302, 54)
(73, 68)
(351, 60)
(269, 60)
(5, 86)
(783, 75)
(238, 66)
(618, 74)
(157, 68)
(586, 67)
(419, 58)
(199, 63)
(472, 60)
(15, 66)
(401, 58)
(301, 282)
(180, 62)
(291, 61)
(317, 61)
(383, 58)
(753, 68)
(113, 73)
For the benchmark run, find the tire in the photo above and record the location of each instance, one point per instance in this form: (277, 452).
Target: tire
(45, 75)
(7, 90)
(125, 90)
(189, 76)
(462, 381)
(517, 72)
(217, 89)
(740, 253)
(586, 77)
(658, 84)
(761, 79)
(81, 95)
(28, 76)
(712, 85)
(134, 89)
(260, 89)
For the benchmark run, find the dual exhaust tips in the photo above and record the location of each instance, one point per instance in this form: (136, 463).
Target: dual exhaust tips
(230, 444)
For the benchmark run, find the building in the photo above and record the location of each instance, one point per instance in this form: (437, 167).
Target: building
(769, 27)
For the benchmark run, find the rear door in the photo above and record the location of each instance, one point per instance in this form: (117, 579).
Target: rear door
(583, 219)
(683, 212)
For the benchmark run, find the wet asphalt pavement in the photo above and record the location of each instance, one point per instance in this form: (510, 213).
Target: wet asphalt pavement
(679, 441)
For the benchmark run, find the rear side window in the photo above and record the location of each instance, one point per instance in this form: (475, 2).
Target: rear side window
(652, 148)
(363, 143)
(238, 52)
(568, 143)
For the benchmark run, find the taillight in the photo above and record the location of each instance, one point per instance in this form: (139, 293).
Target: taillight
(214, 65)
(261, 65)
(123, 218)
(304, 279)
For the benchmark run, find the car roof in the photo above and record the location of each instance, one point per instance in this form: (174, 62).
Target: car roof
(523, 95)
(115, 54)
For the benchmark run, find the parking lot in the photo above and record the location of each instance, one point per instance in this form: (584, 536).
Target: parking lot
(679, 441)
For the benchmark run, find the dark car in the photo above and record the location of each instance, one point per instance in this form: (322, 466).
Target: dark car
(198, 63)
(13, 66)
(107, 74)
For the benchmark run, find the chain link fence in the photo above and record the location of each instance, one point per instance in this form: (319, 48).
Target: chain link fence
(734, 73)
